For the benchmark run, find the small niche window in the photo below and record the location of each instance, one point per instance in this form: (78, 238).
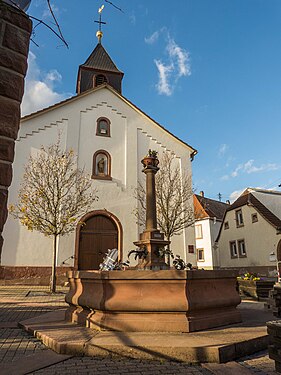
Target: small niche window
(200, 255)
(254, 217)
(242, 249)
(100, 79)
(101, 165)
(103, 127)
(226, 225)
(239, 218)
(233, 249)
(198, 231)
(191, 249)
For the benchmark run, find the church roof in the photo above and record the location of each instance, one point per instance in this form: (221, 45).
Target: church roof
(100, 59)
(110, 88)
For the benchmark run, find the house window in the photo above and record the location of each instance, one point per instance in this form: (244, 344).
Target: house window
(226, 225)
(242, 249)
(100, 79)
(233, 249)
(103, 127)
(254, 217)
(198, 231)
(101, 165)
(239, 218)
(200, 255)
(191, 249)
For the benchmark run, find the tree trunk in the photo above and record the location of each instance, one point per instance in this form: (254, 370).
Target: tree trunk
(54, 265)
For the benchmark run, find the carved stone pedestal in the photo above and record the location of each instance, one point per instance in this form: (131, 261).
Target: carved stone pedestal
(153, 301)
(154, 242)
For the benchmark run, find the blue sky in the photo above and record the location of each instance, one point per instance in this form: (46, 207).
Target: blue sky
(208, 70)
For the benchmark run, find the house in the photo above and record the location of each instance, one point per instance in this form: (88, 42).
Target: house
(110, 135)
(250, 237)
(208, 220)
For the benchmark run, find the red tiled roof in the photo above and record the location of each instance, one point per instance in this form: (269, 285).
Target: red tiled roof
(212, 207)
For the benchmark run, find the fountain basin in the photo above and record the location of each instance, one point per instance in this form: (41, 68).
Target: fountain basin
(153, 301)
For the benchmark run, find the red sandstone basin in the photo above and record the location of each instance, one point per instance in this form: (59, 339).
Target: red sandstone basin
(159, 301)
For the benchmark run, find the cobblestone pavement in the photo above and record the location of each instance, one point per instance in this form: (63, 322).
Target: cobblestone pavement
(88, 365)
(23, 302)
(259, 363)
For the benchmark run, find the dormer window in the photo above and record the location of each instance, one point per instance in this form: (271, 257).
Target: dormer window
(103, 127)
(239, 218)
(100, 79)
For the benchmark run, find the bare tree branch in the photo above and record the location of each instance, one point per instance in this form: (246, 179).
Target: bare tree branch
(109, 2)
(173, 199)
(59, 34)
(56, 22)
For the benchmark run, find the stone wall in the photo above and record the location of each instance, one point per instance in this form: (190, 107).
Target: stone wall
(26, 275)
(15, 30)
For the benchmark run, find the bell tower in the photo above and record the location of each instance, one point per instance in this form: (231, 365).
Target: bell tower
(99, 67)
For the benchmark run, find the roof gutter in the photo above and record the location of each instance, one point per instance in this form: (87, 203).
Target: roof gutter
(195, 152)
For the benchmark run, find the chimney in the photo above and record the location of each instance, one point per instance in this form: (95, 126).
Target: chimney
(228, 201)
(201, 193)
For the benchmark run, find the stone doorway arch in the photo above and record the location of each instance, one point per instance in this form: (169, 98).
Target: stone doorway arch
(100, 231)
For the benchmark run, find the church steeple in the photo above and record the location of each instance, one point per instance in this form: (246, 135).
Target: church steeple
(98, 68)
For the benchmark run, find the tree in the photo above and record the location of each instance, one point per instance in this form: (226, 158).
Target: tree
(173, 198)
(54, 193)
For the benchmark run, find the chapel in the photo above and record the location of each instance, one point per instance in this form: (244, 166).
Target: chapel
(110, 135)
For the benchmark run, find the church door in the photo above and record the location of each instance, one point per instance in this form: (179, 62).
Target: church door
(99, 234)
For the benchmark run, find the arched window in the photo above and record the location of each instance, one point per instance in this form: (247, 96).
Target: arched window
(103, 127)
(100, 79)
(101, 165)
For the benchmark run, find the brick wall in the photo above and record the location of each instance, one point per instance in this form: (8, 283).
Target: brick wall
(15, 29)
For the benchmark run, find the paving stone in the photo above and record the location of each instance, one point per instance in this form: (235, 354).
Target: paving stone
(16, 345)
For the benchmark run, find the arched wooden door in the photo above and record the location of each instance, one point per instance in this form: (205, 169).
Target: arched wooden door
(97, 235)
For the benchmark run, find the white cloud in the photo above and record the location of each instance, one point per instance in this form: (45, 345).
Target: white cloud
(174, 65)
(222, 150)
(53, 76)
(132, 18)
(235, 194)
(249, 168)
(39, 88)
(153, 37)
(163, 86)
(181, 57)
(47, 14)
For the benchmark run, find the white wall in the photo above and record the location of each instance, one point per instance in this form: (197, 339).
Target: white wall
(132, 134)
(260, 240)
(210, 229)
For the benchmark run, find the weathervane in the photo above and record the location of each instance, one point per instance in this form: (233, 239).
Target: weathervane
(99, 33)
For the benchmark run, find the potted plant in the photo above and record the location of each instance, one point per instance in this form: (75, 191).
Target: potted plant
(250, 285)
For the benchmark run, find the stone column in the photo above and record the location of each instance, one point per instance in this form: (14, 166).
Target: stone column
(152, 239)
(151, 219)
(15, 30)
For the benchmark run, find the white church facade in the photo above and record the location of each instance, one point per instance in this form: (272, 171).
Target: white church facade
(110, 136)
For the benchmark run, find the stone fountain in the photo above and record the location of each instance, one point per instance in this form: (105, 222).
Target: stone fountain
(151, 297)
